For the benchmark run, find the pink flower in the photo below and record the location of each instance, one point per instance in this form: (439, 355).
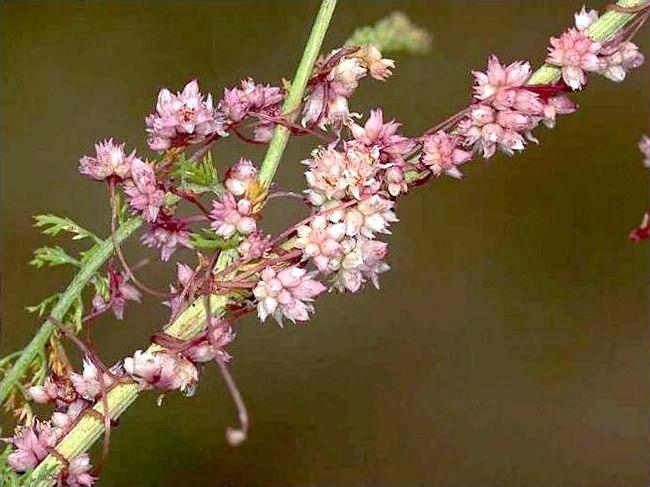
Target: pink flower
(644, 147)
(162, 370)
(375, 133)
(31, 444)
(254, 245)
(220, 337)
(120, 292)
(62, 421)
(504, 85)
(78, 472)
(557, 105)
(499, 78)
(371, 216)
(362, 260)
(585, 18)
(239, 177)
(487, 129)
(626, 56)
(327, 103)
(261, 101)
(575, 52)
(286, 293)
(145, 195)
(43, 394)
(320, 241)
(167, 233)
(87, 384)
(377, 66)
(394, 181)
(181, 119)
(333, 175)
(237, 103)
(110, 161)
(442, 154)
(229, 216)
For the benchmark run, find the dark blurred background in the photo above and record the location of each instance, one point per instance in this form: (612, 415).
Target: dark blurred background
(508, 346)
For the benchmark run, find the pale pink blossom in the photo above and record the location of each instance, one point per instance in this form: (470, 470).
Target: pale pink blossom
(327, 102)
(145, 196)
(254, 245)
(286, 293)
(87, 384)
(184, 118)
(487, 129)
(167, 233)
(229, 216)
(162, 370)
(320, 241)
(375, 133)
(239, 177)
(625, 56)
(576, 53)
(30, 445)
(78, 472)
(110, 161)
(556, 105)
(498, 78)
(362, 259)
(45, 393)
(585, 18)
(237, 103)
(120, 292)
(220, 336)
(370, 216)
(378, 67)
(442, 154)
(334, 175)
(395, 181)
(63, 420)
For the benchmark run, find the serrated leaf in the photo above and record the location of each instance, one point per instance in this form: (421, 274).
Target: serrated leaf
(52, 256)
(198, 177)
(44, 306)
(207, 239)
(53, 225)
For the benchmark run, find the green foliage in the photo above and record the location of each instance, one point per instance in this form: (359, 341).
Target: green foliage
(52, 256)
(53, 225)
(394, 33)
(207, 239)
(197, 177)
(44, 307)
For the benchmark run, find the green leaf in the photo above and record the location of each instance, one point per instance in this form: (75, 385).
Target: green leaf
(53, 225)
(44, 306)
(393, 33)
(207, 239)
(197, 177)
(52, 256)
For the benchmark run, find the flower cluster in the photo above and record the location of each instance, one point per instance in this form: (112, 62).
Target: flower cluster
(256, 100)
(576, 53)
(336, 78)
(184, 118)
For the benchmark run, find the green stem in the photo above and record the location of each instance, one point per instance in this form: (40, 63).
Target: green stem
(89, 428)
(601, 30)
(296, 92)
(99, 256)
